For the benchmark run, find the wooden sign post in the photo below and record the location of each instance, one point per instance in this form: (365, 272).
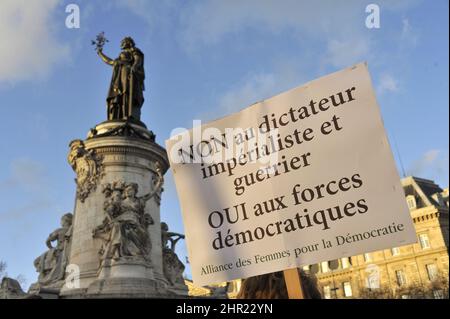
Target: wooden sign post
(293, 283)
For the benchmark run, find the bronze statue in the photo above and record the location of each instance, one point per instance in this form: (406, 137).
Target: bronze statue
(125, 95)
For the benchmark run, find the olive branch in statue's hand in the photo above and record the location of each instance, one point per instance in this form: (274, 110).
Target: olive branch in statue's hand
(99, 41)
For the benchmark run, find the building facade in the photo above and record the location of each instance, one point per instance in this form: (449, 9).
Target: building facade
(419, 270)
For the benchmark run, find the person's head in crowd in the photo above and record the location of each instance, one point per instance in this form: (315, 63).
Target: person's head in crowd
(273, 286)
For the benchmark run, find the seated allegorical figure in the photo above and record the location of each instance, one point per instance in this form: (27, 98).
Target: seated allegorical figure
(51, 265)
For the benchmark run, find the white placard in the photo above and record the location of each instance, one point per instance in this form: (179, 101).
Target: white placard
(303, 177)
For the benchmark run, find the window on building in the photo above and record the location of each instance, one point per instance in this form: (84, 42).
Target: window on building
(395, 251)
(432, 271)
(367, 257)
(424, 241)
(306, 268)
(401, 279)
(327, 292)
(438, 294)
(347, 289)
(411, 200)
(325, 267)
(345, 262)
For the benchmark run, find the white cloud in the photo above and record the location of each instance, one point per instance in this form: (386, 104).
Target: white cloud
(25, 209)
(29, 179)
(248, 91)
(433, 163)
(155, 13)
(26, 174)
(256, 87)
(207, 22)
(341, 53)
(30, 47)
(387, 84)
(338, 27)
(138, 7)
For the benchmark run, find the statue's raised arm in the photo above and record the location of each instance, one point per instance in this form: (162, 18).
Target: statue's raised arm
(104, 57)
(168, 236)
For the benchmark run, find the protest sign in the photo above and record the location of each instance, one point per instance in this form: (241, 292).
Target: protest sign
(303, 177)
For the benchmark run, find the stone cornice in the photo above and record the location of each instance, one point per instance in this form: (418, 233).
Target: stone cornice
(430, 213)
(129, 145)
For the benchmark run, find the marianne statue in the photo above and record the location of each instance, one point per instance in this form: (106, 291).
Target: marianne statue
(125, 95)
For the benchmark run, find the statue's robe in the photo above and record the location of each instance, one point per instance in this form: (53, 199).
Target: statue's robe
(127, 83)
(51, 265)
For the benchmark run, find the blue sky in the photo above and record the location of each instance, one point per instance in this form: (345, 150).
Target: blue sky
(204, 59)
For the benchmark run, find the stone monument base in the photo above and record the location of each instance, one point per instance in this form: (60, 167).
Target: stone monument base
(126, 269)
(128, 288)
(127, 278)
(180, 290)
(46, 291)
(119, 181)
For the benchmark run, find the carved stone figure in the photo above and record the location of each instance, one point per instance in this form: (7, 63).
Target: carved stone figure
(88, 167)
(125, 228)
(172, 266)
(51, 265)
(10, 289)
(125, 95)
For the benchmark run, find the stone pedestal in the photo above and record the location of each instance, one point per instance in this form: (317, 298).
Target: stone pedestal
(126, 269)
(115, 151)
